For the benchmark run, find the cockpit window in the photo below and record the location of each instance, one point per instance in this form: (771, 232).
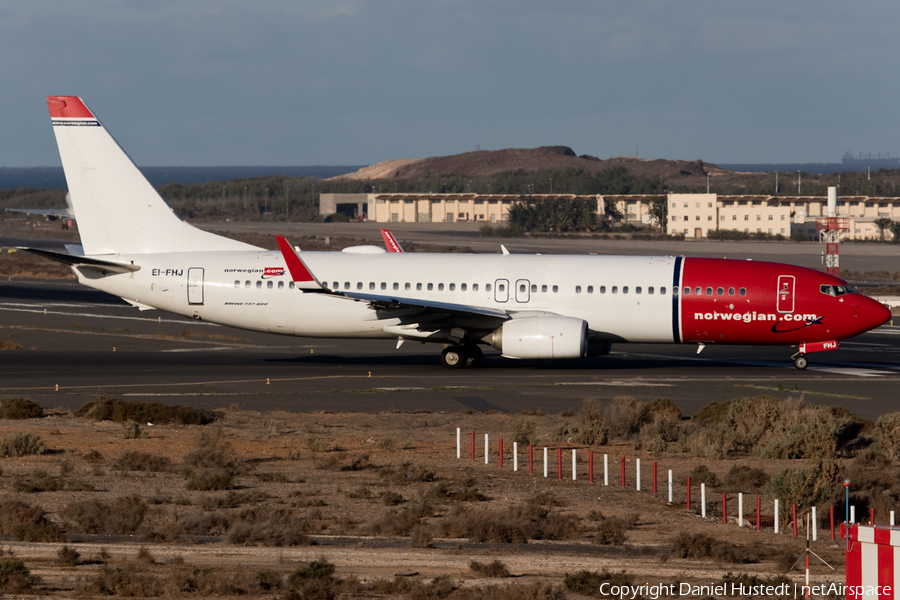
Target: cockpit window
(837, 290)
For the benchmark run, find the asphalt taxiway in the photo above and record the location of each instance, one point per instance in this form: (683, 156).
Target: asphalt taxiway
(64, 344)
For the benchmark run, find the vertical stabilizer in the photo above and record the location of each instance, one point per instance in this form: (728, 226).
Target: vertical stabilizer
(117, 209)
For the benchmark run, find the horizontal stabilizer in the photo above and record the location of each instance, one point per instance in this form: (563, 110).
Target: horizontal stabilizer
(84, 261)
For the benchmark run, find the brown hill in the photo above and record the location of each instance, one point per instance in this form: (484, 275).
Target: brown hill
(491, 162)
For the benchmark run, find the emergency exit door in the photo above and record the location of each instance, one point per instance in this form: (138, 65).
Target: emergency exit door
(785, 293)
(195, 285)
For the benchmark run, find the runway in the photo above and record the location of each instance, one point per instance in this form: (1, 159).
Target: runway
(88, 344)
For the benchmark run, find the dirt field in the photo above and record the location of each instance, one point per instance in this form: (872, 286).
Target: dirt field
(382, 497)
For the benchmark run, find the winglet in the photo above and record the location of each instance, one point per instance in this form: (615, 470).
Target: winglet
(301, 275)
(390, 242)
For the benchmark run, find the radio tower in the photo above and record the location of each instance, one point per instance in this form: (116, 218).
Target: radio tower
(830, 228)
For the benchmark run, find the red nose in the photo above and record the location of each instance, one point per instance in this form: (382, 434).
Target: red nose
(871, 313)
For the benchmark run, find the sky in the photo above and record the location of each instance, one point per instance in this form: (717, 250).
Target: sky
(281, 82)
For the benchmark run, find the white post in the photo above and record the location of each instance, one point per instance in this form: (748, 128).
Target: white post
(458, 443)
(670, 486)
(574, 471)
(776, 516)
(703, 500)
(740, 510)
(545, 461)
(515, 456)
(892, 518)
(606, 469)
(852, 514)
(487, 449)
(637, 463)
(815, 526)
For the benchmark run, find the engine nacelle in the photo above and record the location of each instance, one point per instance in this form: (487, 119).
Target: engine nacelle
(542, 337)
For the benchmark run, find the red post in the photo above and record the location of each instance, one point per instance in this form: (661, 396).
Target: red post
(724, 509)
(654, 478)
(623, 471)
(688, 493)
(530, 459)
(831, 519)
(473, 445)
(559, 463)
(501, 453)
(757, 513)
(871, 515)
(591, 466)
(794, 517)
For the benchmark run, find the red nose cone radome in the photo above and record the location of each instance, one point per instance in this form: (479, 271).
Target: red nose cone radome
(872, 314)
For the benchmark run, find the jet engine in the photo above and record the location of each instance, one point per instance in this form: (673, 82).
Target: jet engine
(541, 337)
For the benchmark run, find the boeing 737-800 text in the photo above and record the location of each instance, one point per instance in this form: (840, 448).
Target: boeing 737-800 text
(525, 306)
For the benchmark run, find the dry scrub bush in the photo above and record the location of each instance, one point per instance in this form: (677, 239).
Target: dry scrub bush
(515, 525)
(132, 460)
(742, 478)
(588, 583)
(213, 464)
(593, 424)
(624, 417)
(812, 485)
(656, 435)
(123, 516)
(16, 578)
(21, 443)
(113, 409)
(887, 435)
(20, 408)
(702, 474)
(26, 523)
(132, 430)
(495, 568)
(533, 591)
(68, 556)
(525, 432)
(701, 546)
(270, 526)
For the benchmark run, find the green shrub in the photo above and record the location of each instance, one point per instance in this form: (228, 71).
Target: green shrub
(26, 523)
(16, 578)
(814, 484)
(132, 430)
(20, 408)
(593, 425)
(742, 478)
(212, 465)
(625, 416)
(525, 432)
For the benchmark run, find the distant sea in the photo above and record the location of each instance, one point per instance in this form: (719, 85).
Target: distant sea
(53, 177)
(820, 168)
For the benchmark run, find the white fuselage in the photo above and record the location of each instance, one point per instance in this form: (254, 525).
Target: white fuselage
(254, 290)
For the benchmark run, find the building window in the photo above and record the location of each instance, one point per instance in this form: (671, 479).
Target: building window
(733, 217)
(771, 217)
(759, 217)
(746, 217)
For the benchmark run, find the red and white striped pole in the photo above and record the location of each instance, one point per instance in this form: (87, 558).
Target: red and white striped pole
(623, 471)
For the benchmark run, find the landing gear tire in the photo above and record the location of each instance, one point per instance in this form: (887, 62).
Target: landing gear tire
(453, 357)
(800, 362)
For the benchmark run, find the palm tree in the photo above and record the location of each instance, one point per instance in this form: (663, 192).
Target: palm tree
(882, 224)
(894, 228)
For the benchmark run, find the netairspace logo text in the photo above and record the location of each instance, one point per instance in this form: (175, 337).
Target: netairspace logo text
(736, 590)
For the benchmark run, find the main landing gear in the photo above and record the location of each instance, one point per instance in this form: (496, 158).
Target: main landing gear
(457, 357)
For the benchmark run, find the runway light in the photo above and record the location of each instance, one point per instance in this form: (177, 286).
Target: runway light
(267, 381)
(310, 350)
(57, 387)
(370, 373)
(114, 348)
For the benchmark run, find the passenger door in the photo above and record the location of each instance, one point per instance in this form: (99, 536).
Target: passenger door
(195, 285)
(785, 293)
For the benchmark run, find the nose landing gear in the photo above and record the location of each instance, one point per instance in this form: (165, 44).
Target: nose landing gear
(800, 361)
(457, 357)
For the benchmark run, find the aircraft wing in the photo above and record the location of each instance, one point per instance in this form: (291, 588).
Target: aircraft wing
(412, 313)
(52, 213)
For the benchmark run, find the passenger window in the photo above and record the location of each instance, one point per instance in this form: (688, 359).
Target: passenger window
(720, 291)
(544, 289)
(280, 285)
(383, 285)
(662, 291)
(709, 291)
(237, 284)
(590, 289)
(698, 291)
(346, 285)
(615, 289)
(522, 287)
(440, 287)
(534, 287)
(359, 285)
(371, 285)
(462, 287)
(731, 291)
(430, 286)
(624, 289)
(419, 287)
(687, 291)
(396, 286)
(487, 287)
(501, 287)
(247, 284)
(637, 290)
(474, 287)
(406, 286)
(602, 289)
(270, 284)
(291, 284)
(259, 285)
(452, 286)
(650, 290)
(555, 288)
(743, 291)
(577, 289)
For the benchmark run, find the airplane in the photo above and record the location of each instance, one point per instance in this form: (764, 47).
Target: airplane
(52, 214)
(525, 306)
(390, 242)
